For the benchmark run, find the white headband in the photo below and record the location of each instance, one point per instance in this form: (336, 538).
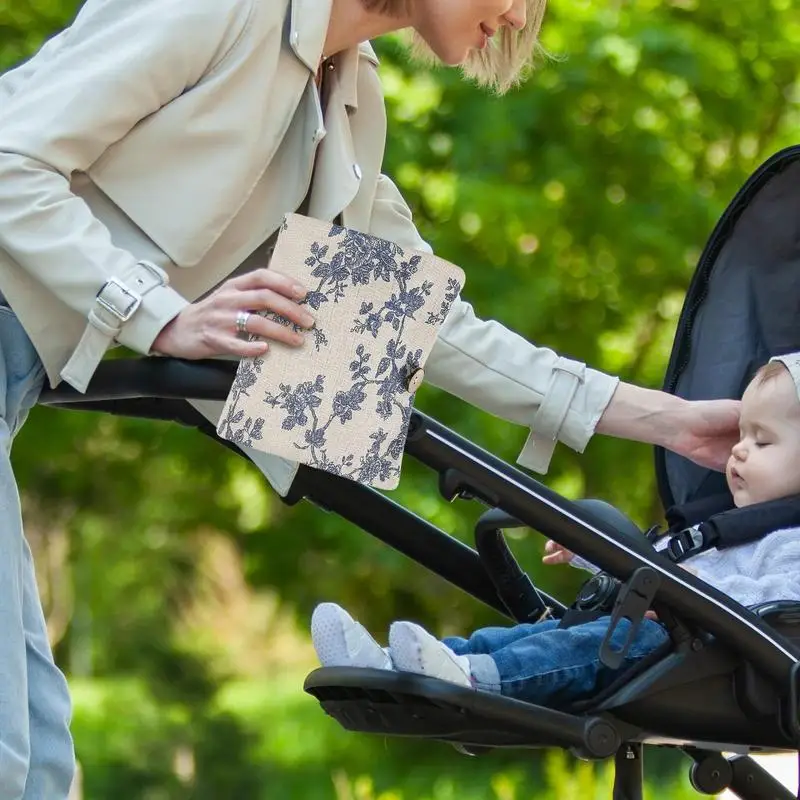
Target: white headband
(792, 362)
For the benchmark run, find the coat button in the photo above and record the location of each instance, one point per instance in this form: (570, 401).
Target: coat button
(357, 171)
(414, 380)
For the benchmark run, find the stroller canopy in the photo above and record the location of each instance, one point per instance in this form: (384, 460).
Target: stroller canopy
(742, 307)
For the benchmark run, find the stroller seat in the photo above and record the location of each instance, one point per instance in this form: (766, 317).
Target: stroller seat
(705, 695)
(698, 692)
(701, 694)
(728, 678)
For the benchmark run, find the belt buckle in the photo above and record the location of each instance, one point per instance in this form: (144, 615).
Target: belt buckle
(123, 315)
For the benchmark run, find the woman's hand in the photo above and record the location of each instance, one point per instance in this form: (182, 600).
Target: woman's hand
(555, 553)
(207, 328)
(710, 429)
(701, 430)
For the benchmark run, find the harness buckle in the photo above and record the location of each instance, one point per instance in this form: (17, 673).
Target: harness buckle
(684, 544)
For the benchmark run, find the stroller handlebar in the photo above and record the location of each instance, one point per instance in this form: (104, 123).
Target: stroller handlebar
(169, 378)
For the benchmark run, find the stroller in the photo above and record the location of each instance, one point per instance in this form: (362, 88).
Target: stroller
(728, 679)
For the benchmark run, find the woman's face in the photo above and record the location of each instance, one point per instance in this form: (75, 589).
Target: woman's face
(453, 28)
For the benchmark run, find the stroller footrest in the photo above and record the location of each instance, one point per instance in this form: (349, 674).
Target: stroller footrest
(404, 704)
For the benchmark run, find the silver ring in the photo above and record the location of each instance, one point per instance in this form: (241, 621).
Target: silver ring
(242, 318)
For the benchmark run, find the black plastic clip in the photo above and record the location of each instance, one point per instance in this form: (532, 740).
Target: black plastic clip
(633, 602)
(454, 485)
(687, 542)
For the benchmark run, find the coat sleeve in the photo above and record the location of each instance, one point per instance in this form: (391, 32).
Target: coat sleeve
(15, 77)
(495, 369)
(118, 63)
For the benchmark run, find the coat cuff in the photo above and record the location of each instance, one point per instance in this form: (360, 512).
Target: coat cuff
(130, 308)
(564, 414)
(159, 307)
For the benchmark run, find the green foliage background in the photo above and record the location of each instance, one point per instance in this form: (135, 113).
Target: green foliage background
(177, 588)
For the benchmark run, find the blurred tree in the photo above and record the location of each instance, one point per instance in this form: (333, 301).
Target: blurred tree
(578, 205)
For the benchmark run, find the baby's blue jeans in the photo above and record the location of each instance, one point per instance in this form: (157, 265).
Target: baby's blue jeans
(547, 665)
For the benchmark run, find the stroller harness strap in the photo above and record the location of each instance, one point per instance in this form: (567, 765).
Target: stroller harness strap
(725, 526)
(695, 527)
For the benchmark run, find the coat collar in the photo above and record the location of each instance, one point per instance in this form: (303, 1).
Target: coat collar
(307, 32)
(308, 29)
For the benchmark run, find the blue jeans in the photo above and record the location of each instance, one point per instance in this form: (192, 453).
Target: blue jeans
(36, 753)
(542, 664)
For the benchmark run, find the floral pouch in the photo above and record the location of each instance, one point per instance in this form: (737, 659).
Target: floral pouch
(342, 401)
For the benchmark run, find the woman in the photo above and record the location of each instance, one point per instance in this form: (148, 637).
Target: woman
(147, 157)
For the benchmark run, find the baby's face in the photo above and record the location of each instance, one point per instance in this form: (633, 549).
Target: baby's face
(765, 463)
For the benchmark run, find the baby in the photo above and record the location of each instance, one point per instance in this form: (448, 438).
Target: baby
(544, 664)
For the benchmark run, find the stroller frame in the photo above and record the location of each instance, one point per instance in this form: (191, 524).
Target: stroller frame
(760, 714)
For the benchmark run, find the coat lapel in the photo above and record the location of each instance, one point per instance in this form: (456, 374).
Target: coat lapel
(367, 130)
(309, 27)
(337, 174)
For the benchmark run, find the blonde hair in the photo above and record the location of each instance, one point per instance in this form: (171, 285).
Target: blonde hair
(503, 64)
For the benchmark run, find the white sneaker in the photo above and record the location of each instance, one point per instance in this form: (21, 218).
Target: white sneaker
(340, 641)
(413, 649)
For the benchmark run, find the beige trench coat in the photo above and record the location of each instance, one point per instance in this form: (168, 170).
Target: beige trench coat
(150, 148)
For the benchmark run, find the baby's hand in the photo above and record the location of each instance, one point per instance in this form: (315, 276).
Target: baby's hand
(554, 553)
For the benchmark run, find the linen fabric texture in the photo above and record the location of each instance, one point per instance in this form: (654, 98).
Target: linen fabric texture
(342, 401)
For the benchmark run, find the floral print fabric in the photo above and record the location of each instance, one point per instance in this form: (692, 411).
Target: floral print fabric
(342, 402)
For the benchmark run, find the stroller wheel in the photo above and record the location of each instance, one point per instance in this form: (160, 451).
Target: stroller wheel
(712, 775)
